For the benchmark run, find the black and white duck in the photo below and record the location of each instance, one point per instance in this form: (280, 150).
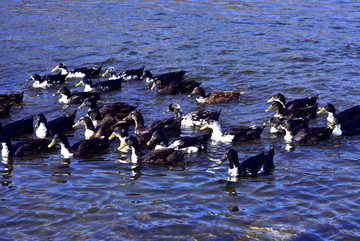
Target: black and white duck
(169, 125)
(48, 129)
(294, 133)
(297, 103)
(79, 149)
(18, 128)
(103, 86)
(276, 128)
(251, 167)
(128, 75)
(214, 97)
(344, 122)
(68, 97)
(233, 134)
(195, 118)
(190, 144)
(78, 72)
(47, 80)
(12, 98)
(121, 134)
(104, 130)
(308, 112)
(162, 79)
(23, 148)
(163, 156)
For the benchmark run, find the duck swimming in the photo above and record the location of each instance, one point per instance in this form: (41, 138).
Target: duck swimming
(103, 86)
(190, 144)
(122, 134)
(164, 156)
(344, 122)
(128, 75)
(91, 132)
(47, 80)
(5, 109)
(252, 166)
(18, 128)
(48, 129)
(297, 103)
(178, 87)
(76, 97)
(12, 98)
(304, 135)
(195, 118)
(80, 149)
(162, 79)
(78, 72)
(215, 97)
(233, 134)
(22, 148)
(308, 112)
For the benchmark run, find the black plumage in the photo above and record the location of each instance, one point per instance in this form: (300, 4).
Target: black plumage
(18, 128)
(48, 129)
(252, 166)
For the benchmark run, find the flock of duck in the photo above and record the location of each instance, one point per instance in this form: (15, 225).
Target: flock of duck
(153, 143)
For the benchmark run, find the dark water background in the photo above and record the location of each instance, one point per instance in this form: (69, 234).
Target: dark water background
(299, 48)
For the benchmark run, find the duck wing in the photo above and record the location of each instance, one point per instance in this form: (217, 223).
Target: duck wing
(164, 156)
(312, 135)
(31, 147)
(89, 147)
(304, 102)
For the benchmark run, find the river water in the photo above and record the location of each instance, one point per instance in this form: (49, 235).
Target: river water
(298, 48)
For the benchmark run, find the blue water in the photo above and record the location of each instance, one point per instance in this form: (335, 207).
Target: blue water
(298, 48)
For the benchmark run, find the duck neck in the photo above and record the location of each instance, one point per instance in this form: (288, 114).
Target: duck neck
(65, 151)
(216, 132)
(64, 99)
(6, 149)
(135, 154)
(288, 136)
(41, 131)
(331, 117)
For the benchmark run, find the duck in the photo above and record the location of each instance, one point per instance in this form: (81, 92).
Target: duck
(178, 87)
(251, 167)
(342, 116)
(121, 134)
(195, 118)
(294, 133)
(18, 128)
(164, 156)
(103, 86)
(233, 134)
(297, 103)
(22, 148)
(91, 132)
(162, 79)
(275, 123)
(190, 144)
(79, 149)
(13, 98)
(214, 97)
(169, 125)
(308, 112)
(117, 110)
(5, 109)
(344, 122)
(78, 72)
(128, 75)
(76, 97)
(48, 129)
(47, 80)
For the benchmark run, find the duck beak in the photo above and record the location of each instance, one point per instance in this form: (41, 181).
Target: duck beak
(166, 111)
(270, 100)
(112, 136)
(28, 79)
(78, 84)
(75, 125)
(52, 143)
(106, 73)
(81, 106)
(122, 146)
(37, 124)
(56, 68)
(269, 109)
(204, 127)
(153, 86)
(321, 111)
